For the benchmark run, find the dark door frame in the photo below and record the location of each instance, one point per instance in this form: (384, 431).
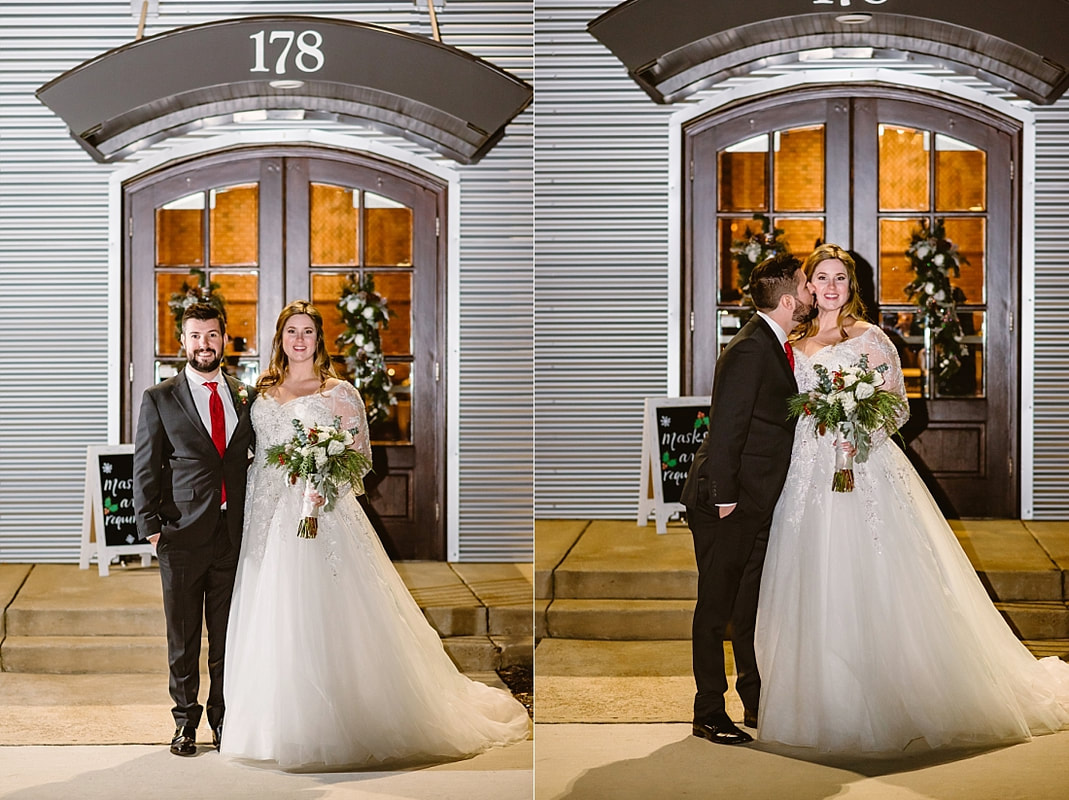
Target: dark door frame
(846, 108)
(265, 164)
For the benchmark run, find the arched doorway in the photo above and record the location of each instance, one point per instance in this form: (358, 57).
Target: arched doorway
(863, 167)
(267, 225)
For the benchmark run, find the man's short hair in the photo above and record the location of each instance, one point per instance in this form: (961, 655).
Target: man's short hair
(204, 311)
(773, 278)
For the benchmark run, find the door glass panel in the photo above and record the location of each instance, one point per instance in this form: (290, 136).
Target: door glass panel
(960, 176)
(903, 168)
(798, 167)
(334, 235)
(906, 330)
(729, 321)
(802, 235)
(734, 231)
(327, 289)
(396, 428)
(396, 289)
(968, 381)
(388, 232)
(968, 234)
(234, 225)
(743, 175)
(241, 291)
(895, 270)
(169, 286)
(180, 232)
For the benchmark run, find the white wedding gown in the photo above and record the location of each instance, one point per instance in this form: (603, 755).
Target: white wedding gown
(329, 661)
(873, 630)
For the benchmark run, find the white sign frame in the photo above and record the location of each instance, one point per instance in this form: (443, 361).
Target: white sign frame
(651, 462)
(94, 542)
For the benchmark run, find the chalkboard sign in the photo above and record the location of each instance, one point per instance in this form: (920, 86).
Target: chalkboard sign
(109, 528)
(673, 430)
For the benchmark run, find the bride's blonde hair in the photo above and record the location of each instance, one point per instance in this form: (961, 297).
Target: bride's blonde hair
(854, 307)
(276, 370)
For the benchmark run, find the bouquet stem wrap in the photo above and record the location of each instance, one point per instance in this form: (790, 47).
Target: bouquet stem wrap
(843, 479)
(308, 527)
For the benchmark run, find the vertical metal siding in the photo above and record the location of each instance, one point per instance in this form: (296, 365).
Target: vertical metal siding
(601, 277)
(1051, 483)
(54, 270)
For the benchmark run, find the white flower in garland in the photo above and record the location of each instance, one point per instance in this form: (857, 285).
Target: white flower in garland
(934, 259)
(365, 315)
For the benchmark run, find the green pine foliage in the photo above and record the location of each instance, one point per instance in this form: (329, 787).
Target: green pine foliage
(365, 315)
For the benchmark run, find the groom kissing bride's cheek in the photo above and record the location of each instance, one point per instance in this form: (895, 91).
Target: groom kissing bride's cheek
(807, 536)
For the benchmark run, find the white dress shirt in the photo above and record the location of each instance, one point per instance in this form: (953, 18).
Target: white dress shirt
(202, 396)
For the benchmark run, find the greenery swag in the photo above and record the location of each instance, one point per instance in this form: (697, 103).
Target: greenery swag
(365, 314)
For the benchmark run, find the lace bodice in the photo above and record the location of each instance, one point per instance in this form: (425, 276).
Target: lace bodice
(880, 350)
(273, 423)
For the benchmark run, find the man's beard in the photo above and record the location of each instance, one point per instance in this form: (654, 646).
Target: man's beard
(198, 362)
(803, 313)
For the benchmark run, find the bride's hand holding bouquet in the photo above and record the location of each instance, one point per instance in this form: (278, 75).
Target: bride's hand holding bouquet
(850, 402)
(321, 455)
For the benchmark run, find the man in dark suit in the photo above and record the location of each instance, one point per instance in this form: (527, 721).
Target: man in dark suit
(732, 488)
(190, 460)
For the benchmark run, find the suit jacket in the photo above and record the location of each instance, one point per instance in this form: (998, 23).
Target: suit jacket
(178, 473)
(745, 455)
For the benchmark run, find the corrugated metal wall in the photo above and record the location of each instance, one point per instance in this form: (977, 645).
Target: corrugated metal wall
(1051, 484)
(54, 267)
(601, 281)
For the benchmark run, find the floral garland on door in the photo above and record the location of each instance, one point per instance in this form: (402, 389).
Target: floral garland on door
(934, 259)
(753, 248)
(365, 314)
(200, 291)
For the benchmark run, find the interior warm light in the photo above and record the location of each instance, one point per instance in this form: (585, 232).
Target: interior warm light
(853, 19)
(286, 84)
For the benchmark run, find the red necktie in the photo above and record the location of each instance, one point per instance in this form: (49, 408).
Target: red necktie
(790, 354)
(215, 411)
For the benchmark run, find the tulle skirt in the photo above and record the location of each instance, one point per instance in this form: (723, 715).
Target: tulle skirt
(330, 661)
(874, 632)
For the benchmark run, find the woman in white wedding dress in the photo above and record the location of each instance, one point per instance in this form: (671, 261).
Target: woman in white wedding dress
(874, 633)
(330, 662)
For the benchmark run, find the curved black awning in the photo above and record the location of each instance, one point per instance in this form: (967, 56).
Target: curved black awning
(673, 48)
(442, 97)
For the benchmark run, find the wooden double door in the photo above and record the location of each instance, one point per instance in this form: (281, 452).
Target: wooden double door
(258, 228)
(864, 170)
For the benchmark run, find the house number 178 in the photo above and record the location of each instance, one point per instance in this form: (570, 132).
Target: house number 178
(309, 58)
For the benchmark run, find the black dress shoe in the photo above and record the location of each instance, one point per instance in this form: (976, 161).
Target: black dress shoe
(184, 742)
(723, 732)
(749, 719)
(217, 735)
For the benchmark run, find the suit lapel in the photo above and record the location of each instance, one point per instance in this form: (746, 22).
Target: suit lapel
(183, 394)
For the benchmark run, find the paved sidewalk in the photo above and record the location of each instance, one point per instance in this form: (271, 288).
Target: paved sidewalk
(662, 762)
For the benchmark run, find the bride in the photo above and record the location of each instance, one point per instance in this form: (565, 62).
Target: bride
(873, 630)
(330, 662)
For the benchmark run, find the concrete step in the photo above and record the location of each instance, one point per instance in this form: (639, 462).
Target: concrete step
(486, 654)
(73, 655)
(1037, 620)
(619, 619)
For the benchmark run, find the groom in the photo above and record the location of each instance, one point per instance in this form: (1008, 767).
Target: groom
(190, 459)
(732, 488)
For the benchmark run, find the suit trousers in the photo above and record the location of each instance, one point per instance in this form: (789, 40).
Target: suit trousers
(730, 553)
(197, 585)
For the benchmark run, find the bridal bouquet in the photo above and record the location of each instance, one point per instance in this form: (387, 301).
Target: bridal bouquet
(320, 455)
(850, 401)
